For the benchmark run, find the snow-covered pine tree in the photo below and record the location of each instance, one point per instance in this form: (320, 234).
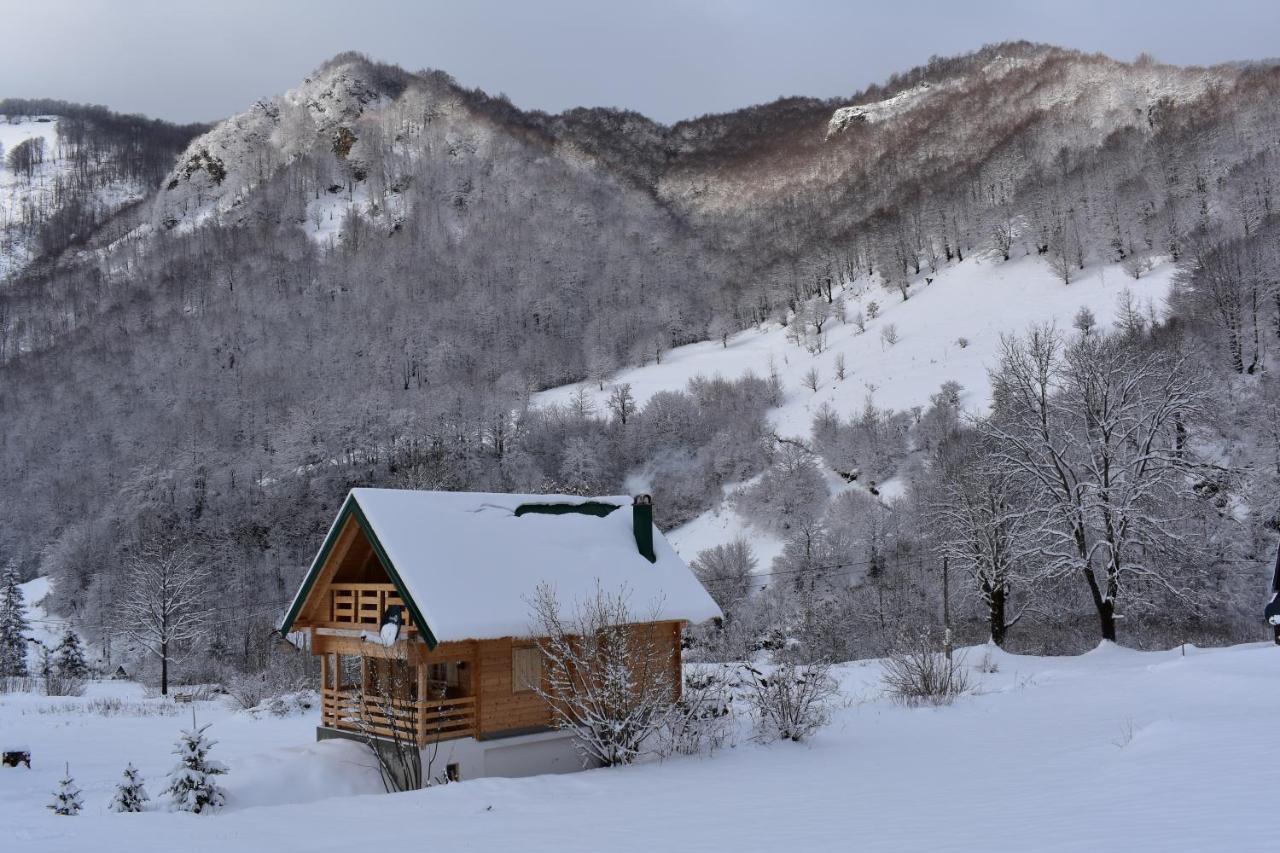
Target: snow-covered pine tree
(192, 786)
(66, 800)
(131, 793)
(13, 625)
(69, 659)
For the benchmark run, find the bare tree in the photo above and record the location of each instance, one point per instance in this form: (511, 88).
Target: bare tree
(985, 530)
(726, 571)
(1090, 430)
(621, 403)
(164, 608)
(609, 678)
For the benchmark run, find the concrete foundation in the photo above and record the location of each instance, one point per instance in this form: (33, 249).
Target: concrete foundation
(467, 758)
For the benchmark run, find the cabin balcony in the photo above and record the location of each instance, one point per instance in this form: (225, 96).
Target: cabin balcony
(422, 720)
(361, 605)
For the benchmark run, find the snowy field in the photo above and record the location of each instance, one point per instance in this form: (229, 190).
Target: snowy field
(1115, 750)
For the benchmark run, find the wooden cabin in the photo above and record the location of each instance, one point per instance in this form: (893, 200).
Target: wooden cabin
(418, 607)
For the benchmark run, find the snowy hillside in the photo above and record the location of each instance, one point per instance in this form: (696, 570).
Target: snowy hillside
(1115, 750)
(947, 331)
(26, 199)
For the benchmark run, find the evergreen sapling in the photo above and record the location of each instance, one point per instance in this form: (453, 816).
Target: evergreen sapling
(131, 793)
(192, 783)
(69, 659)
(66, 800)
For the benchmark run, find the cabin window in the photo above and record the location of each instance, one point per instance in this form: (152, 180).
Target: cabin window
(526, 669)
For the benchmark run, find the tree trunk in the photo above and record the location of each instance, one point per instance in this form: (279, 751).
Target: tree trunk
(996, 614)
(164, 668)
(1104, 605)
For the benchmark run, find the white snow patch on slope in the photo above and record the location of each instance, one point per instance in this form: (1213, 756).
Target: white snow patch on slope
(877, 110)
(43, 626)
(24, 199)
(978, 300)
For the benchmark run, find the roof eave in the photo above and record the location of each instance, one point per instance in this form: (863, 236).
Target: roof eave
(351, 509)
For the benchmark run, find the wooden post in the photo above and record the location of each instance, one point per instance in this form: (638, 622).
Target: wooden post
(324, 689)
(475, 688)
(678, 688)
(422, 704)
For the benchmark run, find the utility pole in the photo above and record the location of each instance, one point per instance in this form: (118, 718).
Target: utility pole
(946, 608)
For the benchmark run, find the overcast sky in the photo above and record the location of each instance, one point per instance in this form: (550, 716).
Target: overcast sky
(190, 60)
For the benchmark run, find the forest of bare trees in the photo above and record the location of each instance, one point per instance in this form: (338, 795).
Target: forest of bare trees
(226, 379)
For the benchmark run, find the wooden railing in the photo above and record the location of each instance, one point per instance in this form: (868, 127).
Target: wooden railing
(428, 720)
(362, 604)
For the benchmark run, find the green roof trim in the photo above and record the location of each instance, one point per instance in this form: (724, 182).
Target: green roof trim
(597, 508)
(351, 509)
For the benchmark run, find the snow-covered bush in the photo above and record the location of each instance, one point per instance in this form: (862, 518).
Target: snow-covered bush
(53, 681)
(703, 720)
(917, 672)
(131, 793)
(792, 701)
(286, 674)
(192, 783)
(607, 674)
(66, 799)
(286, 705)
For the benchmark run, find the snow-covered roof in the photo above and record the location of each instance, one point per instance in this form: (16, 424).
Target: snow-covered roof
(472, 566)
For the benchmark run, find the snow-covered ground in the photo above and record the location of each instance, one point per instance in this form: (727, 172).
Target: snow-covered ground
(1115, 750)
(977, 300)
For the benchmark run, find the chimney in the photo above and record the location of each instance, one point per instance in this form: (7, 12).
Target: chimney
(642, 525)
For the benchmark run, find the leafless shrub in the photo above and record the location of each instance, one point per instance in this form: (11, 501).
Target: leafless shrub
(388, 719)
(607, 677)
(286, 674)
(791, 702)
(916, 672)
(703, 720)
(109, 706)
(17, 684)
(1126, 734)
